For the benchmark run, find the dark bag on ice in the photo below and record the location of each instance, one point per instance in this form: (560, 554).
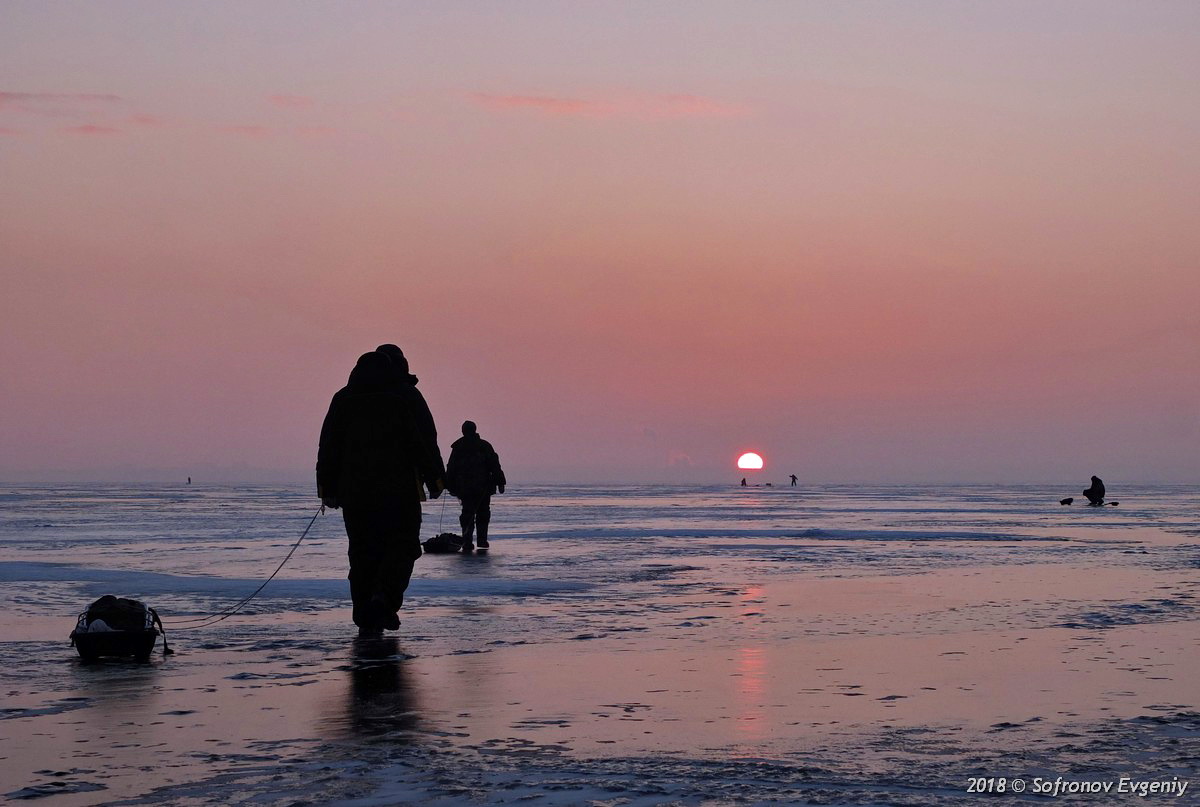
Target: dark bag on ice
(443, 543)
(116, 626)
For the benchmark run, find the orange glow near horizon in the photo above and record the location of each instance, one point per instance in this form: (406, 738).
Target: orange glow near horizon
(750, 462)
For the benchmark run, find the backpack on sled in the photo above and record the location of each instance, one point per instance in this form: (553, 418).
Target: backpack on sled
(443, 543)
(116, 626)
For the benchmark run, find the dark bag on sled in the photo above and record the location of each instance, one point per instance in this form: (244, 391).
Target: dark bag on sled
(115, 626)
(443, 543)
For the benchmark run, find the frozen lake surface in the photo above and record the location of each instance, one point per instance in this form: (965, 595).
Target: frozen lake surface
(635, 645)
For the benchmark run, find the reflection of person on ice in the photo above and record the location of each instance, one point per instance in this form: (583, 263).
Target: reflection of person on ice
(473, 474)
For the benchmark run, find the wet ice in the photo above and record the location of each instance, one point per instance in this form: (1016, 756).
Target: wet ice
(620, 645)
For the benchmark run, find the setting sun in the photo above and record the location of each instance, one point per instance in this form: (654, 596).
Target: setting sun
(750, 462)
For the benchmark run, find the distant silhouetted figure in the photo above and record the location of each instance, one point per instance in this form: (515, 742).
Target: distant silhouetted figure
(371, 458)
(189, 480)
(1095, 494)
(473, 474)
(744, 482)
(793, 480)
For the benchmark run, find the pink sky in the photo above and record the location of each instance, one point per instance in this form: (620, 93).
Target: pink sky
(901, 242)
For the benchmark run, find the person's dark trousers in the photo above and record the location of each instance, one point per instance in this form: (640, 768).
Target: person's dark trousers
(385, 541)
(476, 513)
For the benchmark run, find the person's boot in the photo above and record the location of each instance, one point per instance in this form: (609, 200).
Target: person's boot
(382, 615)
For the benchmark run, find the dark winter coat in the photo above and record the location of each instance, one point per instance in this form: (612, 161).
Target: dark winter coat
(406, 386)
(474, 468)
(372, 447)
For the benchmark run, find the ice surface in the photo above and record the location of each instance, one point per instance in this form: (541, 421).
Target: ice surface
(619, 646)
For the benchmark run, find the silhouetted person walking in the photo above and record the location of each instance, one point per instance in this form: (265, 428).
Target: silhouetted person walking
(473, 474)
(1095, 494)
(793, 476)
(370, 462)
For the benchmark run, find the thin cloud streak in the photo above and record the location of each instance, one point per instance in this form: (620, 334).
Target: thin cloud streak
(9, 97)
(635, 107)
(53, 104)
(558, 107)
(247, 130)
(91, 129)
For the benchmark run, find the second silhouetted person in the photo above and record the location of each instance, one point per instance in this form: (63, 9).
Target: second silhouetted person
(473, 474)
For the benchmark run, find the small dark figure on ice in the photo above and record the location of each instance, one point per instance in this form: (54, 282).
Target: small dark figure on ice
(474, 475)
(793, 476)
(375, 453)
(1095, 494)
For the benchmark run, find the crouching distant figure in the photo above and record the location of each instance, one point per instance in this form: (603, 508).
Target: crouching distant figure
(1095, 494)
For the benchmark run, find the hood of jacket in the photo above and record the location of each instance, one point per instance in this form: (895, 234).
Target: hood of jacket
(372, 373)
